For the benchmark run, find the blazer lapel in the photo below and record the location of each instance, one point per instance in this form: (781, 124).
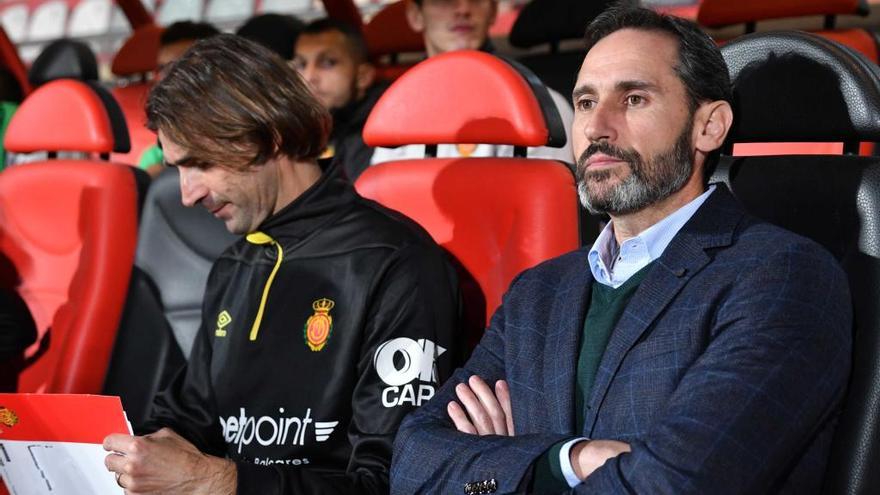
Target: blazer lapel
(563, 342)
(711, 226)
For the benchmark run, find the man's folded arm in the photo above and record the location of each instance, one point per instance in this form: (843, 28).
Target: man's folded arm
(431, 456)
(765, 389)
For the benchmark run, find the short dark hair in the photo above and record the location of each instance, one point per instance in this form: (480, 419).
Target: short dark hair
(354, 37)
(700, 65)
(231, 102)
(277, 32)
(186, 31)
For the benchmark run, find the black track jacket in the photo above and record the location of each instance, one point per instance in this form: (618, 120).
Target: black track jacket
(319, 334)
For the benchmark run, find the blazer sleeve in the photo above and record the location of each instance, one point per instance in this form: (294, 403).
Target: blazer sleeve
(431, 456)
(769, 383)
(414, 312)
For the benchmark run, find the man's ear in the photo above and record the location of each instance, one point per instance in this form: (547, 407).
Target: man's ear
(414, 17)
(366, 75)
(712, 122)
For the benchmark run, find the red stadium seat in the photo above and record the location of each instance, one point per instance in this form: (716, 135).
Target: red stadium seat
(138, 55)
(505, 110)
(136, 61)
(68, 230)
(388, 35)
(717, 13)
(496, 216)
(67, 115)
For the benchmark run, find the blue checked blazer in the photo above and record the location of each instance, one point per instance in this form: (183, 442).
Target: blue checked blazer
(725, 373)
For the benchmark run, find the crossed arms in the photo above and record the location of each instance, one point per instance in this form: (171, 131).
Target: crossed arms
(758, 396)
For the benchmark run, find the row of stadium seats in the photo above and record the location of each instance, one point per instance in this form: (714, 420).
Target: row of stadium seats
(388, 35)
(495, 215)
(510, 229)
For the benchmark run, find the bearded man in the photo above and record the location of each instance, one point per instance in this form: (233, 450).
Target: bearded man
(692, 349)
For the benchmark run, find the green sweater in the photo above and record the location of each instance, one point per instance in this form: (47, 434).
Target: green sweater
(606, 307)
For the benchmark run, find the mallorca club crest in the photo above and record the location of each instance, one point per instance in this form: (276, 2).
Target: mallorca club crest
(319, 325)
(7, 417)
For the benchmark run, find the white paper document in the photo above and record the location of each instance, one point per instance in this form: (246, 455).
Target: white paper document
(51, 443)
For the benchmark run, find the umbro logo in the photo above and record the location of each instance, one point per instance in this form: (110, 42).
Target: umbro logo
(223, 319)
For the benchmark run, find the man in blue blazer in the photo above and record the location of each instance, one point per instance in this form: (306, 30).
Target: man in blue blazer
(693, 349)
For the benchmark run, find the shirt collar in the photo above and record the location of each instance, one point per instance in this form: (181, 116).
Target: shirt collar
(612, 265)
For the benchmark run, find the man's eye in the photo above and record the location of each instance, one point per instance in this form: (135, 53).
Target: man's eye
(328, 63)
(585, 104)
(634, 100)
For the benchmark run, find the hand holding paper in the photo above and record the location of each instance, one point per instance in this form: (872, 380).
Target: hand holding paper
(164, 462)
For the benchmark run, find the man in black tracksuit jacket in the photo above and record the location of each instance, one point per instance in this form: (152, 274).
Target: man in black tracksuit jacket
(322, 327)
(303, 412)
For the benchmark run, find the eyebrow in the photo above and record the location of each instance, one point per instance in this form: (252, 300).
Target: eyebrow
(621, 86)
(183, 162)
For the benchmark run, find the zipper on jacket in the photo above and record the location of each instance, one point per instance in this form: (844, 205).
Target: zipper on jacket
(260, 238)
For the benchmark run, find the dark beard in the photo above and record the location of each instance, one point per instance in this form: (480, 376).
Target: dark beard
(649, 181)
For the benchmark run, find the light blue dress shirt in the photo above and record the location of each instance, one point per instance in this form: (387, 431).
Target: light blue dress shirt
(613, 265)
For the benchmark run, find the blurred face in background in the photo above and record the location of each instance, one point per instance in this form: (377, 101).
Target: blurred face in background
(329, 66)
(169, 53)
(449, 25)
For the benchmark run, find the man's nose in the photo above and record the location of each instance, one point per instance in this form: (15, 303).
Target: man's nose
(191, 189)
(601, 124)
(310, 74)
(463, 7)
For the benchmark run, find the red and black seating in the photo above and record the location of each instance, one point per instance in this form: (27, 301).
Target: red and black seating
(495, 216)
(68, 229)
(835, 200)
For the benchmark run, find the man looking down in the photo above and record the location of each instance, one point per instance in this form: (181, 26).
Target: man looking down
(295, 383)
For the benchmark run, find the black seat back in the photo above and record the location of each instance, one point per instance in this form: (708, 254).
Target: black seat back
(792, 86)
(176, 248)
(64, 59)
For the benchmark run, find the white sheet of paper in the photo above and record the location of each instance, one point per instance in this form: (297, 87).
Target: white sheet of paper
(51, 443)
(56, 468)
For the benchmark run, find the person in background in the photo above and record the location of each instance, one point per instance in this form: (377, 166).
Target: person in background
(449, 25)
(174, 42)
(277, 32)
(332, 58)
